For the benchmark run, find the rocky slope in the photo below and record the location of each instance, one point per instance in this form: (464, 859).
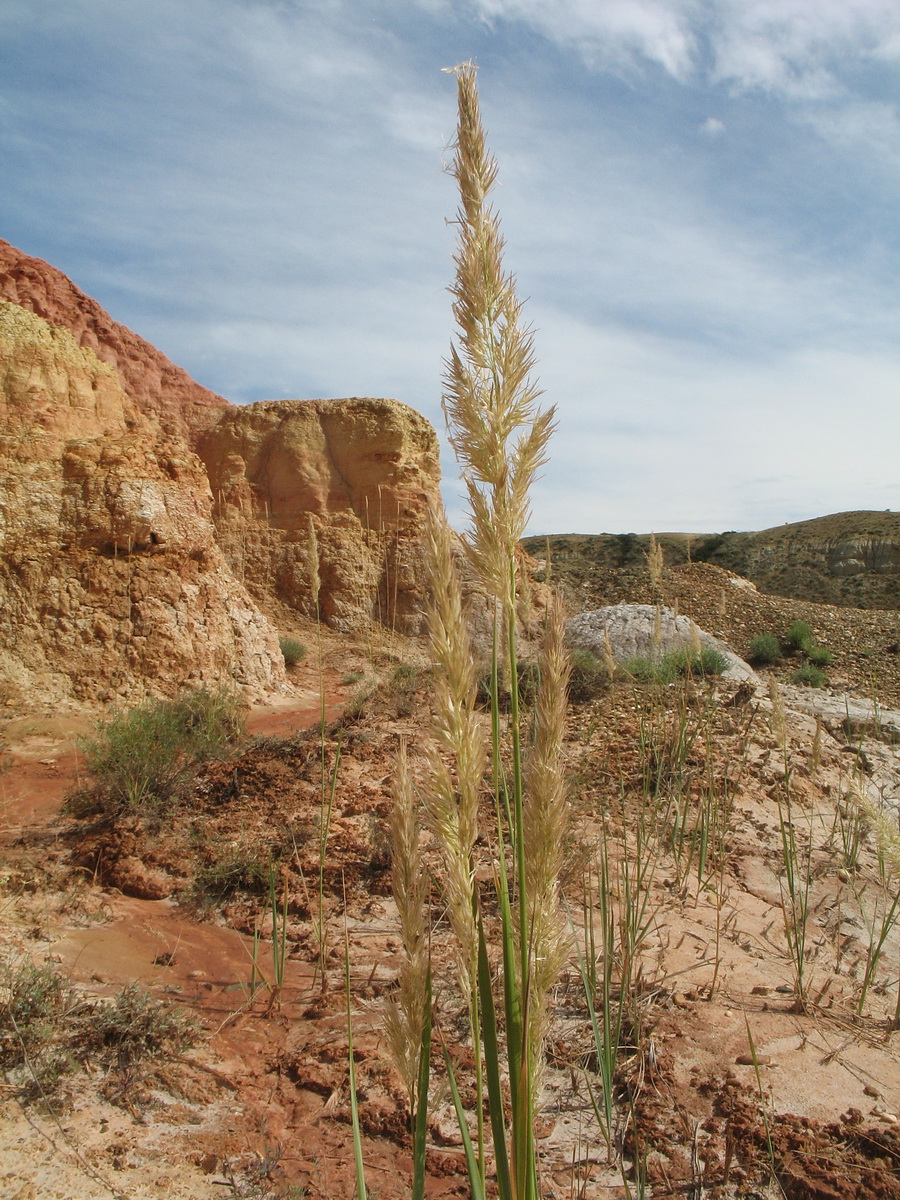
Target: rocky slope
(850, 558)
(152, 534)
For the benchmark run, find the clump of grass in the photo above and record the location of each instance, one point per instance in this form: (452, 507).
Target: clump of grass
(239, 871)
(588, 676)
(142, 758)
(819, 656)
(292, 651)
(764, 649)
(667, 668)
(48, 1031)
(706, 661)
(799, 637)
(809, 676)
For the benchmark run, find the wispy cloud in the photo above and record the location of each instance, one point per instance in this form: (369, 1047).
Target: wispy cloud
(699, 197)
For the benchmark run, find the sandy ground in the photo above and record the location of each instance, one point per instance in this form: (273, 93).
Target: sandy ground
(261, 1103)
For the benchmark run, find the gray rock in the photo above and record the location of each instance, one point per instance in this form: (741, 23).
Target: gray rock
(630, 629)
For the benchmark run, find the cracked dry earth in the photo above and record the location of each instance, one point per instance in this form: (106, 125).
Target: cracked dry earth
(724, 1085)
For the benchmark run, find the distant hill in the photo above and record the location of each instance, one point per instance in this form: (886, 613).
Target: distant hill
(848, 559)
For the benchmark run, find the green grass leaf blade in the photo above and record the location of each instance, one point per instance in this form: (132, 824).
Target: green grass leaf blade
(492, 1068)
(475, 1184)
(361, 1190)
(421, 1119)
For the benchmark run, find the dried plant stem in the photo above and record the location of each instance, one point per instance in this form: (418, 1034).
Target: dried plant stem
(406, 1010)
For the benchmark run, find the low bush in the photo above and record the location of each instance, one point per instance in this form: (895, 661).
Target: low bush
(292, 651)
(764, 649)
(809, 676)
(799, 637)
(140, 759)
(48, 1031)
(236, 872)
(676, 664)
(588, 677)
(819, 656)
(708, 661)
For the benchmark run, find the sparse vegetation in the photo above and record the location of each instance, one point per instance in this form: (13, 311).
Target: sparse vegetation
(292, 651)
(764, 650)
(49, 1030)
(809, 676)
(799, 637)
(143, 758)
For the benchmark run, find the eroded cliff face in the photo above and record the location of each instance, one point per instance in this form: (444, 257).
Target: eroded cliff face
(111, 581)
(850, 558)
(344, 482)
(150, 532)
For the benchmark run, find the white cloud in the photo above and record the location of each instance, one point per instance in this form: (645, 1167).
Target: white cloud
(784, 46)
(713, 127)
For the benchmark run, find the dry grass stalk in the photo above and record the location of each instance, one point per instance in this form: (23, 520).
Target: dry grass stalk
(457, 754)
(489, 397)
(312, 561)
(405, 1010)
(655, 563)
(545, 814)
(887, 837)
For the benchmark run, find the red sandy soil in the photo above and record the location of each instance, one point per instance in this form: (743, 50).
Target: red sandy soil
(262, 1101)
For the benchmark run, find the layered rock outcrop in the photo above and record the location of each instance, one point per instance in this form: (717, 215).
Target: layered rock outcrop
(150, 531)
(111, 581)
(345, 481)
(850, 558)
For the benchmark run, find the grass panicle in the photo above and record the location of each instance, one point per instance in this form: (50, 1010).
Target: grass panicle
(489, 398)
(545, 817)
(406, 1011)
(457, 754)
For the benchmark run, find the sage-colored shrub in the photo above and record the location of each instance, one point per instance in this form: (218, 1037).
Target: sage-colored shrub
(764, 649)
(292, 651)
(819, 656)
(799, 637)
(809, 676)
(142, 758)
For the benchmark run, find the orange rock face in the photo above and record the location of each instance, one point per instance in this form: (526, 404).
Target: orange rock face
(148, 527)
(345, 481)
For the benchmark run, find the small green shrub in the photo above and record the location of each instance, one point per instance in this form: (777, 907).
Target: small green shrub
(236, 872)
(650, 670)
(819, 656)
(292, 651)
(48, 1030)
(676, 664)
(799, 637)
(132, 1029)
(764, 649)
(809, 676)
(708, 661)
(588, 676)
(142, 758)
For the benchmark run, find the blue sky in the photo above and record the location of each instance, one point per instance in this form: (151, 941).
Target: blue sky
(700, 201)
